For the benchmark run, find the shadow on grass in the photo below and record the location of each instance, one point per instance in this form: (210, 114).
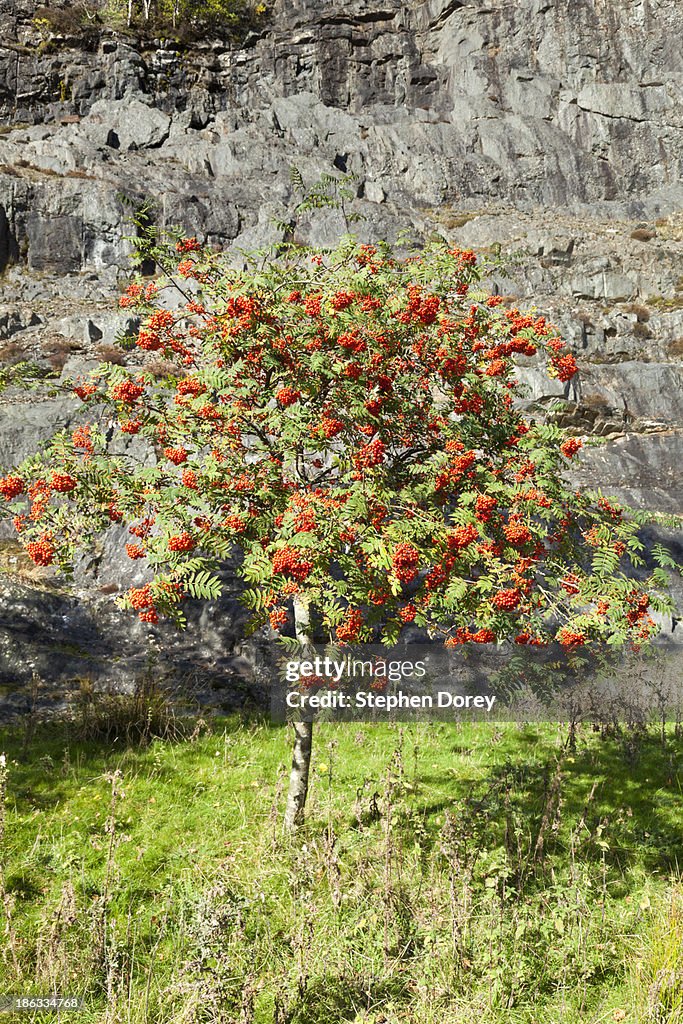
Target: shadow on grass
(617, 799)
(343, 997)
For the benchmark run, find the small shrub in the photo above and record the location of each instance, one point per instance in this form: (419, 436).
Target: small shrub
(675, 347)
(453, 219)
(57, 350)
(641, 330)
(12, 353)
(188, 19)
(670, 228)
(64, 21)
(596, 402)
(161, 368)
(642, 312)
(136, 717)
(111, 354)
(643, 234)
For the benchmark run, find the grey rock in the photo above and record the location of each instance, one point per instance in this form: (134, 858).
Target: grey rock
(638, 469)
(24, 428)
(129, 124)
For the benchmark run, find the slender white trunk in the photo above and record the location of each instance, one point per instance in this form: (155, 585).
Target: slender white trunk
(303, 737)
(130, 13)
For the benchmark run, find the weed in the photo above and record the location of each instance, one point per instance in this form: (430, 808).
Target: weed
(657, 977)
(57, 349)
(148, 712)
(642, 313)
(111, 354)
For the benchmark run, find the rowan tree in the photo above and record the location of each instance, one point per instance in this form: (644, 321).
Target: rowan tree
(348, 421)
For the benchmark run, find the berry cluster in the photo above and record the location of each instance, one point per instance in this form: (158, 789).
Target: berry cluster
(349, 630)
(41, 551)
(11, 487)
(85, 391)
(407, 613)
(278, 618)
(126, 391)
(639, 606)
(287, 397)
(342, 300)
(80, 438)
(130, 426)
(142, 600)
(63, 482)
(484, 507)
(176, 455)
(527, 639)
(190, 386)
(290, 562)
(115, 514)
(565, 367)
(331, 427)
(131, 295)
(435, 577)
(517, 533)
(185, 245)
(570, 637)
(148, 340)
(570, 447)
(611, 510)
(182, 542)
(461, 537)
(570, 584)
(463, 635)
(405, 560)
(235, 523)
(507, 600)
(370, 454)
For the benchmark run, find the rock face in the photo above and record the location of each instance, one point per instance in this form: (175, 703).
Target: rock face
(443, 103)
(547, 132)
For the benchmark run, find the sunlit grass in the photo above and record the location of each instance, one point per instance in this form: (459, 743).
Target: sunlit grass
(447, 872)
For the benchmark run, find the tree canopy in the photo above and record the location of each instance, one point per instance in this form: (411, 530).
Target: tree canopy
(348, 421)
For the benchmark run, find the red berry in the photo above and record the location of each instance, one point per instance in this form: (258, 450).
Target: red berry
(570, 447)
(41, 551)
(11, 486)
(183, 542)
(63, 482)
(507, 600)
(290, 562)
(287, 396)
(176, 455)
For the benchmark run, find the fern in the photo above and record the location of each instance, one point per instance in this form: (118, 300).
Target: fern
(664, 558)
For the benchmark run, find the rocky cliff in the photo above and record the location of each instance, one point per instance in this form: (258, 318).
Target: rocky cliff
(548, 131)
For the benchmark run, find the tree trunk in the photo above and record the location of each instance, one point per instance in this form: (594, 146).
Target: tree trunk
(303, 737)
(298, 777)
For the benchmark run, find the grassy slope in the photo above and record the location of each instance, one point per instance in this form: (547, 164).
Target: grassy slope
(448, 873)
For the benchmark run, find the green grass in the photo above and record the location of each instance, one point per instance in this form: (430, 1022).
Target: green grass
(447, 873)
